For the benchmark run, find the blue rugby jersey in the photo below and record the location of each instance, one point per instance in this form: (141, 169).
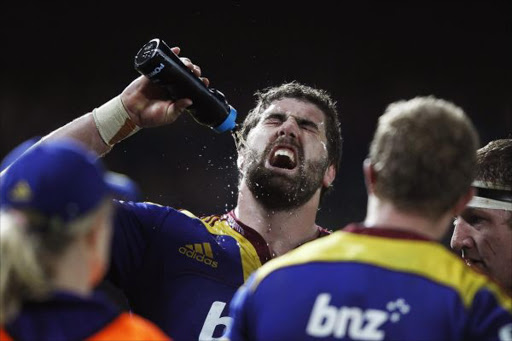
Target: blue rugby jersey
(181, 271)
(370, 284)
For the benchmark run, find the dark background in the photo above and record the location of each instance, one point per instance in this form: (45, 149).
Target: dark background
(61, 62)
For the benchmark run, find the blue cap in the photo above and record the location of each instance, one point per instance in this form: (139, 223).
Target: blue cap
(57, 179)
(126, 188)
(17, 151)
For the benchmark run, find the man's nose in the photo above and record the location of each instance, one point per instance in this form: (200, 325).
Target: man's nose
(462, 237)
(289, 127)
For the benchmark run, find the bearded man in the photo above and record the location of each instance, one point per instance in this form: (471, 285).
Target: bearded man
(180, 270)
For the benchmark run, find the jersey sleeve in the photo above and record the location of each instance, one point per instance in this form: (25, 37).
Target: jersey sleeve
(239, 312)
(135, 226)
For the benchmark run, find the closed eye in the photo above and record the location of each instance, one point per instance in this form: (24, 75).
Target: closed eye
(274, 119)
(308, 125)
(279, 118)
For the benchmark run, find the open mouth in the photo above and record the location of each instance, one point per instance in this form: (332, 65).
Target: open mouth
(283, 157)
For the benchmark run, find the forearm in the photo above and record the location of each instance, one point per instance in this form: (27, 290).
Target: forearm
(100, 129)
(84, 130)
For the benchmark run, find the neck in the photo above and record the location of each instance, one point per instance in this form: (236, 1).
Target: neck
(71, 273)
(282, 230)
(382, 213)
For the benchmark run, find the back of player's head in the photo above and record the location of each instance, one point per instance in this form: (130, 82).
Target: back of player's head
(424, 155)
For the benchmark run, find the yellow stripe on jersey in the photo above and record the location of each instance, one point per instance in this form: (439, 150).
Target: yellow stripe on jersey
(249, 256)
(428, 259)
(208, 250)
(198, 248)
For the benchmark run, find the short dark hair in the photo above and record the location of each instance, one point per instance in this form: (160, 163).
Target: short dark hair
(494, 163)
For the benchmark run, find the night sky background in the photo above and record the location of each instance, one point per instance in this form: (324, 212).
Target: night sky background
(61, 62)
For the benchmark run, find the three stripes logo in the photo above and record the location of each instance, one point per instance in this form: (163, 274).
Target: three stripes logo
(200, 252)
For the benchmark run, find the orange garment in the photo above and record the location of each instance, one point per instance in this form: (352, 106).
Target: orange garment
(126, 327)
(130, 327)
(4, 336)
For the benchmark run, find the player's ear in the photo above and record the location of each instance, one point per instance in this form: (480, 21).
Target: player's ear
(370, 176)
(329, 175)
(240, 160)
(241, 156)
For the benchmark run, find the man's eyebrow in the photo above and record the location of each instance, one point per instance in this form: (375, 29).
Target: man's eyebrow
(469, 210)
(275, 114)
(299, 120)
(474, 211)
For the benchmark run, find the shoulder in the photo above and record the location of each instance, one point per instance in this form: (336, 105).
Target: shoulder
(140, 205)
(148, 212)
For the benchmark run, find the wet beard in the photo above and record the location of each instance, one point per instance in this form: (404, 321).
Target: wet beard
(282, 192)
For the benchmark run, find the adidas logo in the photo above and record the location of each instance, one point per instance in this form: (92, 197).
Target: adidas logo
(200, 252)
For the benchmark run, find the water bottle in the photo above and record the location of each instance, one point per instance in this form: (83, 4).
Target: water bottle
(156, 61)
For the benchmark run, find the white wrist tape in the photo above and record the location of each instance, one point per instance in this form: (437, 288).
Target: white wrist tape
(113, 122)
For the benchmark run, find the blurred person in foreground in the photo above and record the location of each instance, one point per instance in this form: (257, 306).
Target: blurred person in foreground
(181, 270)
(389, 277)
(125, 189)
(483, 231)
(55, 235)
